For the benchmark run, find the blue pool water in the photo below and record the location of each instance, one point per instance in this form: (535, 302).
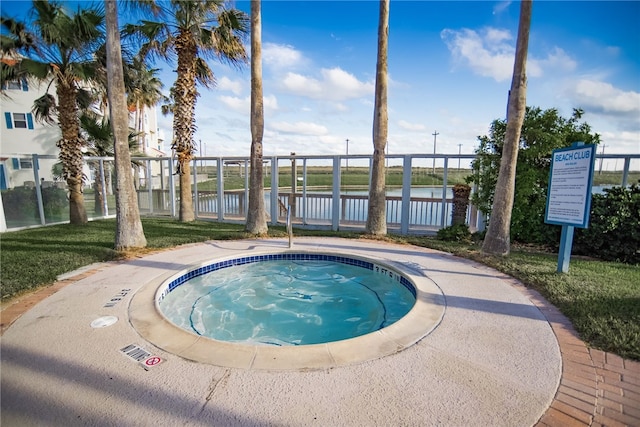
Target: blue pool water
(287, 301)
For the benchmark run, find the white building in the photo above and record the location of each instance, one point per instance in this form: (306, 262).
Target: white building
(21, 135)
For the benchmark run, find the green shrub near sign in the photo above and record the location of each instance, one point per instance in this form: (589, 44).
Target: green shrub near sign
(614, 226)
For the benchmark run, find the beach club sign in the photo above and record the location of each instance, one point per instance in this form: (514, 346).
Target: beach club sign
(569, 194)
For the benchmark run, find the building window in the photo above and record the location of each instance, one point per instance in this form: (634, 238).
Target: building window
(15, 85)
(19, 120)
(22, 163)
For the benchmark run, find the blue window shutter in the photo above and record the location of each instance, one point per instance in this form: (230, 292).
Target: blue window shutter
(16, 163)
(7, 117)
(29, 121)
(25, 86)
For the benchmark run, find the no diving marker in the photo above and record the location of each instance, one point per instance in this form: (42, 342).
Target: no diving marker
(141, 355)
(152, 361)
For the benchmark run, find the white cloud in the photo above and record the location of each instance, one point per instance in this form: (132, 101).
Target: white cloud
(603, 97)
(281, 56)
(490, 52)
(270, 103)
(334, 84)
(414, 127)
(486, 53)
(302, 128)
(243, 105)
(501, 7)
(234, 86)
(558, 59)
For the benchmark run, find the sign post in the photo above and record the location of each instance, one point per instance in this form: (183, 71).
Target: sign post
(569, 194)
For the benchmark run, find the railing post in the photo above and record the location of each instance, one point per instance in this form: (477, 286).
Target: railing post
(196, 199)
(443, 221)
(103, 183)
(245, 211)
(274, 190)
(220, 188)
(335, 203)
(172, 188)
(36, 177)
(304, 191)
(625, 172)
(406, 195)
(149, 188)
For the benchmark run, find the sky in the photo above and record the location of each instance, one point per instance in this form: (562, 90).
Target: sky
(450, 65)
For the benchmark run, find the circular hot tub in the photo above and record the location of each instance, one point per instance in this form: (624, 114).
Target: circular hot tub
(288, 310)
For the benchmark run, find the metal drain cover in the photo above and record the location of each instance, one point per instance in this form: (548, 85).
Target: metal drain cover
(104, 321)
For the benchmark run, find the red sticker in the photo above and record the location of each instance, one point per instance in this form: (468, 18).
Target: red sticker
(152, 361)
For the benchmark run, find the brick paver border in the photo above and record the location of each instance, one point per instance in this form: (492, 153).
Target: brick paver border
(596, 388)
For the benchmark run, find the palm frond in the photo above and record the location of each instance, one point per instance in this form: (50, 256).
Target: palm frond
(45, 109)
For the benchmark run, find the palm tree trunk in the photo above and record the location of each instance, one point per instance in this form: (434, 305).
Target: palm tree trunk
(497, 240)
(184, 119)
(376, 217)
(71, 150)
(256, 215)
(129, 232)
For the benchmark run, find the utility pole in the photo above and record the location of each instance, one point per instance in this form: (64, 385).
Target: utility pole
(435, 135)
(347, 154)
(459, 152)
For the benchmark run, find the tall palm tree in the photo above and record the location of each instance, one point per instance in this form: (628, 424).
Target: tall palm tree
(497, 241)
(376, 216)
(129, 232)
(256, 215)
(58, 48)
(192, 31)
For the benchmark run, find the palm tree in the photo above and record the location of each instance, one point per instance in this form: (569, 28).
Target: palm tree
(256, 216)
(497, 240)
(99, 135)
(100, 144)
(143, 89)
(129, 232)
(376, 216)
(59, 50)
(193, 31)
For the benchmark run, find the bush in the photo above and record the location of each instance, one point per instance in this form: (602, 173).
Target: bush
(54, 201)
(455, 233)
(542, 132)
(21, 203)
(614, 226)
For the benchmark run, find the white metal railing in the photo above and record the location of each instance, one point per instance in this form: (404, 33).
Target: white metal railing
(334, 206)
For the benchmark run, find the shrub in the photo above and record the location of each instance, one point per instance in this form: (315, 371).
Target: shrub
(455, 233)
(614, 226)
(21, 203)
(54, 201)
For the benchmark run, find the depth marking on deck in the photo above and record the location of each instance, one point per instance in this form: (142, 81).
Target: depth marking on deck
(117, 298)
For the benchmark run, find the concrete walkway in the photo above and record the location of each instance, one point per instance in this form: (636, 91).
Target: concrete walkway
(500, 356)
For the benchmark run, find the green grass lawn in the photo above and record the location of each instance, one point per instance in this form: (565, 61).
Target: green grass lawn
(602, 299)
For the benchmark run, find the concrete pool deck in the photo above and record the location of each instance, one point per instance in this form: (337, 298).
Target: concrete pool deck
(500, 355)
